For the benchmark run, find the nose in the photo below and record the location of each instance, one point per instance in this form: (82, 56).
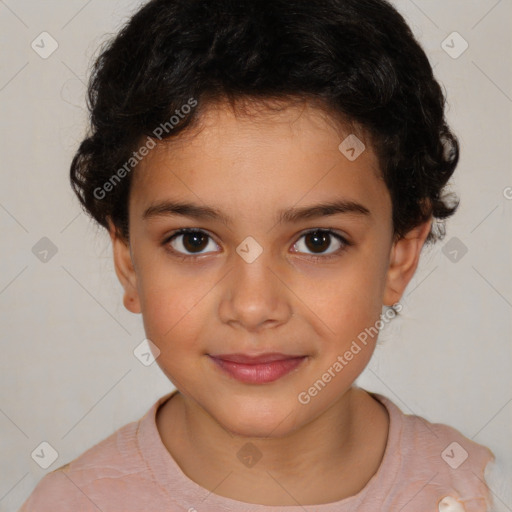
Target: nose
(255, 295)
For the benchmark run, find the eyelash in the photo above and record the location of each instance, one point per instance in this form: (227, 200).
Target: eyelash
(345, 243)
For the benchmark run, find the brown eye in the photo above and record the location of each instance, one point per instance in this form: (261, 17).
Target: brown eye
(319, 241)
(188, 241)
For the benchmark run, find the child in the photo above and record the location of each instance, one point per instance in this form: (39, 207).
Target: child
(269, 172)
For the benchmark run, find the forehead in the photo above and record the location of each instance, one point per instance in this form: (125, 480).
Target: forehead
(257, 160)
(255, 123)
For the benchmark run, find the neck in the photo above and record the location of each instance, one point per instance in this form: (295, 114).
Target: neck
(337, 452)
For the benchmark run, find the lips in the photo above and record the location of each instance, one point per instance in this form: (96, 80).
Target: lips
(260, 369)
(255, 359)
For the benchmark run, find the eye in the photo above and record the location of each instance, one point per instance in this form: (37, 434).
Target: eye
(320, 240)
(189, 242)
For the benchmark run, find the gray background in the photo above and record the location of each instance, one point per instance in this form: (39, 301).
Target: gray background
(68, 373)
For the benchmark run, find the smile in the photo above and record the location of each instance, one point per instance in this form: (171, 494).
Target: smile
(258, 372)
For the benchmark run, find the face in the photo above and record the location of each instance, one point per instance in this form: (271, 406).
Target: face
(255, 276)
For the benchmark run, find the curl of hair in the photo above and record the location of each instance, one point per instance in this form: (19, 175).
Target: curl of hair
(357, 59)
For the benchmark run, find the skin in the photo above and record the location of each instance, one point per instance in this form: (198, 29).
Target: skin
(249, 167)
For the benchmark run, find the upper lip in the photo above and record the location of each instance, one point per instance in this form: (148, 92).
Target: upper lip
(255, 359)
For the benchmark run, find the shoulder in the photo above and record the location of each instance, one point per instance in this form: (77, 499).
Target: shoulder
(437, 460)
(96, 479)
(55, 493)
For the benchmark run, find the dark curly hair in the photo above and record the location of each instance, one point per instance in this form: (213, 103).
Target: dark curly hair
(357, 59)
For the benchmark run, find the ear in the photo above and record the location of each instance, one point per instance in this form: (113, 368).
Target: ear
(125, 270)
(404, 258)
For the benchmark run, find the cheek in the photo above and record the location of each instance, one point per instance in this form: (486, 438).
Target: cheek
(344, 300)
(172, 304)
(172, 320)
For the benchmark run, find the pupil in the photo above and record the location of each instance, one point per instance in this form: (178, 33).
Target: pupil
(320, 237)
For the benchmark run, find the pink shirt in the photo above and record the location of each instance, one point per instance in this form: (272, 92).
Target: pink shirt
(131, 470)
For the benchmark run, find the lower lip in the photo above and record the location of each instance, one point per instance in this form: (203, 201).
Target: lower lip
(258, 373)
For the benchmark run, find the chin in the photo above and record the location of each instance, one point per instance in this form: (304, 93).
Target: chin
(257, 423)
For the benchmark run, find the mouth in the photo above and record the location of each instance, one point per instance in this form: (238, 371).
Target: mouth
(258, 369)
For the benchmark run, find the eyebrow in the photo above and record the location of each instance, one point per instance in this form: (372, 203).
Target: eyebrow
(291, 215)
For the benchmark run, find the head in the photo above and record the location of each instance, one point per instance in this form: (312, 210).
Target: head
(231, 120)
